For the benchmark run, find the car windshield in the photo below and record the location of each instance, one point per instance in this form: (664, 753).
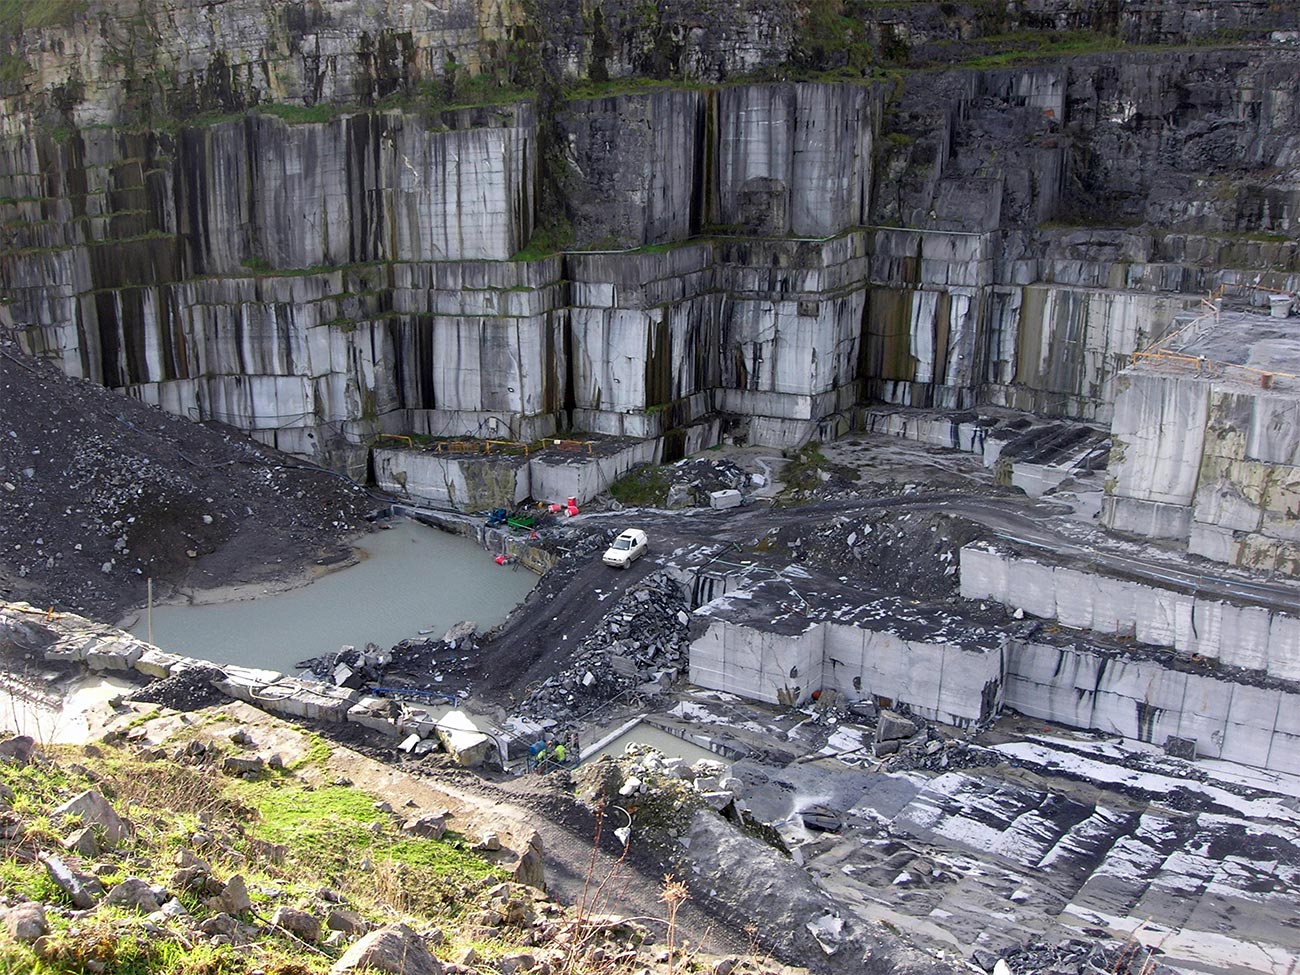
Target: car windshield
(622, 544)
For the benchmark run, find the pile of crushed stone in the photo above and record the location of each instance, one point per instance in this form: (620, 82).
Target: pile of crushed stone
(186, 690)
(99, 492)
(641, 645)
(915, 553)
(692, 480)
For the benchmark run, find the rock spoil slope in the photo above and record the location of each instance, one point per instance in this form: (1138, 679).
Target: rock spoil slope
(99, 493)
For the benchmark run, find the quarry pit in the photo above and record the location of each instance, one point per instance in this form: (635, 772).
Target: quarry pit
(958, 392)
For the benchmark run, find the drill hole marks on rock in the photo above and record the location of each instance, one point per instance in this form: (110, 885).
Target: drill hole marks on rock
(409, 579)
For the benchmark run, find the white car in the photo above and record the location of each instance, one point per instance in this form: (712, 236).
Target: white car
(629, 546)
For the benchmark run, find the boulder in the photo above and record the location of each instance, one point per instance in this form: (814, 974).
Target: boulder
(531, 868)
(95, 811)
(82, 841)
(17, 749)
(298, 923)
(429, 826)
(395, 949)
(134, 893)
(219, 924)
(197, 880)
(238, 765)
(894, 727)
(83, 891)
(233, 899)
(346, 921)
(468, 957)
(173, 908)
(26, 921)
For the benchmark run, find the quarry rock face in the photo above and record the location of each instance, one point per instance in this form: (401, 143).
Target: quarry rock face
(295, 228)
(319, 283)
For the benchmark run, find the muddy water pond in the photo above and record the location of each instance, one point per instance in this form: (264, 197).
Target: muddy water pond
(411, 578)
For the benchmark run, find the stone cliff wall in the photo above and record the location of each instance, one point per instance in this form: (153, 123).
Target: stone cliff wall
(102, 62)
(1210, 455)
(319, 278)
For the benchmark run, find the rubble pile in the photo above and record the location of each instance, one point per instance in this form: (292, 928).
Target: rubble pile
(693, 480)
(348, 666)
(186, 689)
(860, 734)
(1074, 956)
(436, 666)
(641, 646)
(100, 492)
(912, 552)
(660, 793)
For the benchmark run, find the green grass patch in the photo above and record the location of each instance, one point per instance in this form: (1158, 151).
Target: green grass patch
(114, 944)
(13, 69)
(545, 242)
(640, 487)
(587, 89)
(1029, 46)
(300, 114)
(38, 786)
(332, 836)
(330, 832)
(21, 15)
(318, 749)
(27, 881)
(804, 471)
(475, 91)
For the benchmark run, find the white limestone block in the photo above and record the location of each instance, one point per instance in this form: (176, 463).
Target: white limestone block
(1162, 615)
(1031, 586)
(1284, 647)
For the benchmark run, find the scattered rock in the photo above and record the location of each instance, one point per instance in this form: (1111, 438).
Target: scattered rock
(26, 922)
(134, 893)
(396, 950)
(298, 923)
